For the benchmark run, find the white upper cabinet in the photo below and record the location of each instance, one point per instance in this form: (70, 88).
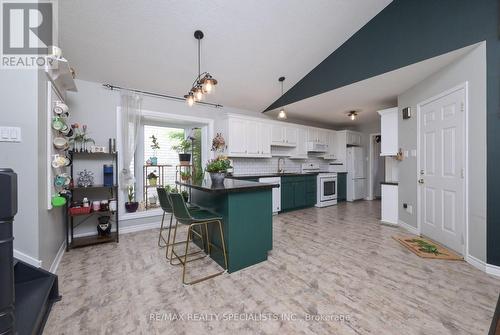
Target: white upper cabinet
(332, 146)
(353, 138)
(389, 132)
(317, 135)
(300, 151)
(236, 137)
(283, 135)
(248, 138)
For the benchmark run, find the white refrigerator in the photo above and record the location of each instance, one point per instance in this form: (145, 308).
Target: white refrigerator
(356, 174)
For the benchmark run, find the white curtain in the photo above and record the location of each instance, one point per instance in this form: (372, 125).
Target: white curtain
(131, 122)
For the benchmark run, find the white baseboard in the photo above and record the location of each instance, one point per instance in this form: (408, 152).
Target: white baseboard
(406, 226)
(57, 259)
(493, 270)
(476, 262)
(128, 229)
(27, 259)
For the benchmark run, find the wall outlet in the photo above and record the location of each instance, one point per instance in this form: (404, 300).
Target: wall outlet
(414, 153)
(405, 153)
(409, 209)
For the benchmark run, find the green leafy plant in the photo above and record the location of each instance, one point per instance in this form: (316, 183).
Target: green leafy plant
(183, 145)
(426, 247)
(131, 193)
(185, 175)
(154, 142)
(220, 164)
(185, 195)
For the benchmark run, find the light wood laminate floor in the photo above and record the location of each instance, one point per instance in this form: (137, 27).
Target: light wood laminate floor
(338, 264)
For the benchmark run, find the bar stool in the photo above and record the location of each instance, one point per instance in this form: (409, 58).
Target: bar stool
(199, 218)
(167, 209)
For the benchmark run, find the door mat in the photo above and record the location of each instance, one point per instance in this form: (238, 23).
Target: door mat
(425, 248)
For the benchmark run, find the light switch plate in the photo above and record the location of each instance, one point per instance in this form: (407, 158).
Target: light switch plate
(10, 134)
(414, 153)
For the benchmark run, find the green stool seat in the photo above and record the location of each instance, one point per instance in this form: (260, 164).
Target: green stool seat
(167, 209)
(194, 219)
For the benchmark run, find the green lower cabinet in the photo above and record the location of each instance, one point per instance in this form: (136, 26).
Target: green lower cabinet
(341, 187)
(298, 192)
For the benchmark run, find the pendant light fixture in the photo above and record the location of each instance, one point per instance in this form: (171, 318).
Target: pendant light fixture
(353, 115)
(204, 82)
(282, 113)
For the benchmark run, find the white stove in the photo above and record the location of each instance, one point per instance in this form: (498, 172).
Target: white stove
(326, 185)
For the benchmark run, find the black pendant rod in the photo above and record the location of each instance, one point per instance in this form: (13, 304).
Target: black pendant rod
(158, 95)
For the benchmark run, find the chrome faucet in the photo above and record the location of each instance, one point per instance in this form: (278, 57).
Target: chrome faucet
(281, 169)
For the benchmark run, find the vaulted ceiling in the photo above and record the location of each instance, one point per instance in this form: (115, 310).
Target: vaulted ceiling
(149, 45)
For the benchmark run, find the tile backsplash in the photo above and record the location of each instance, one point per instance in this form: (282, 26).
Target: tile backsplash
(255, 166)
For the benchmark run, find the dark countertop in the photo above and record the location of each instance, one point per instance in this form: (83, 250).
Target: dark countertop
(229, 186)
(395, 183)
(268, 175)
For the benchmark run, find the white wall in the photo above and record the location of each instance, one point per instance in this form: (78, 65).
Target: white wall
(19, 109)
(470, 68)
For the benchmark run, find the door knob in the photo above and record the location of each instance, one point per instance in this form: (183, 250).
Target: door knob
(421, 181)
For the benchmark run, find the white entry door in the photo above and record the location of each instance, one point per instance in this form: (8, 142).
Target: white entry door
(442, 170)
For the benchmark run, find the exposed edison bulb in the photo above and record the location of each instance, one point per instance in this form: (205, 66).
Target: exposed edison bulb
(282, 114)
(198, 94)
(190, 99)
(353, 117)
(207, 86)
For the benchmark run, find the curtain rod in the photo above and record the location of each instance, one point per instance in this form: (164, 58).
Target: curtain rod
(157, 95)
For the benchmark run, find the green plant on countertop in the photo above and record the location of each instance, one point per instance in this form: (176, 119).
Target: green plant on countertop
(131, 193)
(426, 247)
(170, 189)
(185, 195)
(220, 164)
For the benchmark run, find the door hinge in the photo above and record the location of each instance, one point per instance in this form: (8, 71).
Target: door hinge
(462, 173)
(462, 107)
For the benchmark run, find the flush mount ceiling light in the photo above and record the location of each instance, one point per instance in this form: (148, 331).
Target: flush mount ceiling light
(353, 115)
(282, 113)
(204, 82)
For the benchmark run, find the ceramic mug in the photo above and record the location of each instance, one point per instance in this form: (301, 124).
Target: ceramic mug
(62, 180)
(59, 161)
(61, 109)
(58, 124)
(112, 205)
(61, 143)
(96, 205)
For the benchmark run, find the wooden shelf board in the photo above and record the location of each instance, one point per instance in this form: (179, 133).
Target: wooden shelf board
(79, 242)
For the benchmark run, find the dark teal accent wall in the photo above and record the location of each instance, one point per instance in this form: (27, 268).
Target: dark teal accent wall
(409, 31)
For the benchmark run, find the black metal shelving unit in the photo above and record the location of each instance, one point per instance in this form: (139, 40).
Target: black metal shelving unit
(78, 242)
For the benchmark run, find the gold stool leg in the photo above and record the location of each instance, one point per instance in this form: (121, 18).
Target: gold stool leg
(168, 236)
(160, 237)
(173, 244)
(223, 243)
(208, 248)
(190, 238)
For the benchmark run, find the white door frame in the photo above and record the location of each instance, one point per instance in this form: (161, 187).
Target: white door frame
(370, 166)
(465, 86)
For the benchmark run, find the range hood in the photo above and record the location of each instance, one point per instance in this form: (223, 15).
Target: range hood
(316, 147)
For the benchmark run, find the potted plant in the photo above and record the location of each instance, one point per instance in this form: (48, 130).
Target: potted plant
(217, 169)
(185, 175)
(153, 200)
(155, 146)
(182, 147)
(185, 195)
(132, 205)
(152, 179)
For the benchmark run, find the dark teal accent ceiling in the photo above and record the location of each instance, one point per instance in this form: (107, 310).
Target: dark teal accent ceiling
(409, 31)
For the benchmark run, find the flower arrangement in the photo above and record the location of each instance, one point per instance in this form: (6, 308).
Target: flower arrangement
(80, 138)
(218, 165)
(218, 143)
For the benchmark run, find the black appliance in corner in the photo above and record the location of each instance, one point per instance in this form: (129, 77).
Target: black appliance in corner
(26, 292)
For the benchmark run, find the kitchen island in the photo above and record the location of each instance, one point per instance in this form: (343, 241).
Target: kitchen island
(246, 209)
